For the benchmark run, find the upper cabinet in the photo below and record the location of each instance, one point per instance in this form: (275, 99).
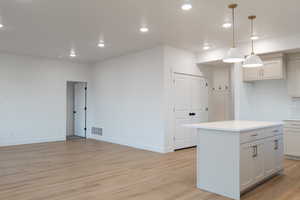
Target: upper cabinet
(274, 68)
(293, 75)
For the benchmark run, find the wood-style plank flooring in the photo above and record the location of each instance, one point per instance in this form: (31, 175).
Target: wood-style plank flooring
(92, 170)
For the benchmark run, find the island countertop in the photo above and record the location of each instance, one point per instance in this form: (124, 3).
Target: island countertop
(234, 126)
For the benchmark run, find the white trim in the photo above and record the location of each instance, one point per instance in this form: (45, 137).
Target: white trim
(30, 141)
(130, 144)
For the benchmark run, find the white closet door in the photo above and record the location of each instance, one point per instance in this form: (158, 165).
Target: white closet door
(79, 105)
(191, 101)
(199, 104)
(182, 135)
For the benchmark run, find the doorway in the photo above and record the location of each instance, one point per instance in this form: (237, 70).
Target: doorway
(76, 110)
(190, 106)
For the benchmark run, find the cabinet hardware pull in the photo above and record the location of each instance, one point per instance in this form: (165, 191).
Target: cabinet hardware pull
(276, 145)
(275, 131)
(254, 151)
(254, 135)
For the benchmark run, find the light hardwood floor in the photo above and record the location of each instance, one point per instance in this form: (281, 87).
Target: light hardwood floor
(79, 170)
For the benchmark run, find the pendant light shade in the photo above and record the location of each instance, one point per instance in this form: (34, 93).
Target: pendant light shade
(252, 60)
(233, 55)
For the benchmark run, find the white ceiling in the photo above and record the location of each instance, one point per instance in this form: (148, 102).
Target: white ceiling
(49, 28)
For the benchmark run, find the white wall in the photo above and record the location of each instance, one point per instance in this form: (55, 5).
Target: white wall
(33, 98)
(127, 93)
(266, 100)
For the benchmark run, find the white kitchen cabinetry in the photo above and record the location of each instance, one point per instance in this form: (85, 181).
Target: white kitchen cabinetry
(274, 68)
(262, 158)
(292, 138)
(234, 156)
(293, 75)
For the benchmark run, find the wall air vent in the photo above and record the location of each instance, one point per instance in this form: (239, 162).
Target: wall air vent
(97, 131)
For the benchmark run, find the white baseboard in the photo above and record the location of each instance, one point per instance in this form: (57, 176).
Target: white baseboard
(130, 144)
(30, 141)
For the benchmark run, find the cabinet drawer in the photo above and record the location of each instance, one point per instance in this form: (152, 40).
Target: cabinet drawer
(294, 130)
(260, 134)
(292, 124)
(270, 132)
(251, 136)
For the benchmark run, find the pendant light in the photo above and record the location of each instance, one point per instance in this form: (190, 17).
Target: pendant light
(233, 55)
(252, 60)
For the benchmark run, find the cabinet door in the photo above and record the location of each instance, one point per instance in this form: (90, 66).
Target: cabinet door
(294, 78)
(247, 153)
(269, 154)
(292, 141)
(252, 74)
(258, 162)
(273, 69)
(279, 154)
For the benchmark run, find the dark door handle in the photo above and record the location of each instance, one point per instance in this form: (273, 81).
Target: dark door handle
(74, 112)
(192, 114)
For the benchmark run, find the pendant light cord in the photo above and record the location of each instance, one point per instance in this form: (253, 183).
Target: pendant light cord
(252, 42)
(233, 29)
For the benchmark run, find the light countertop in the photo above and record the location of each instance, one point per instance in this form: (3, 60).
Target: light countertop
(234, 126)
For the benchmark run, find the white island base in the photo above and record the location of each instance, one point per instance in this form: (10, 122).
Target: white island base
(234, 156)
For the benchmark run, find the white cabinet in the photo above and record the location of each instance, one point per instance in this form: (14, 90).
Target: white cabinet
(232, 157)
(292, 138)
(279, 154)
(252, 164)
(261, 156)
(293, 75)
(258, 161)
(270, 156)
(274, 68)
(247, 153)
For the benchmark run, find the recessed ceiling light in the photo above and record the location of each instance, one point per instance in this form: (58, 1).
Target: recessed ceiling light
(186, 6)
(101, 44)
(227, 25)
(144, 29)
(72, 53)
(206, 47)
(254, 37)
(1, 25)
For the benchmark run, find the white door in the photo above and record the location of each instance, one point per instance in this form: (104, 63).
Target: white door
(190, 103)
(199, 104)
(182, 135)
(79, 108)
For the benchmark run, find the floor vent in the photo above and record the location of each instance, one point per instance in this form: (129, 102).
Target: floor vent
(97, 131)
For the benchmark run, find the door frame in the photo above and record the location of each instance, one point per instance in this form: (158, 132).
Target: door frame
(85, 106)
(172, 102)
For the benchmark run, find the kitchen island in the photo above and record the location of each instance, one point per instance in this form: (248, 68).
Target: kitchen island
(235, 156)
